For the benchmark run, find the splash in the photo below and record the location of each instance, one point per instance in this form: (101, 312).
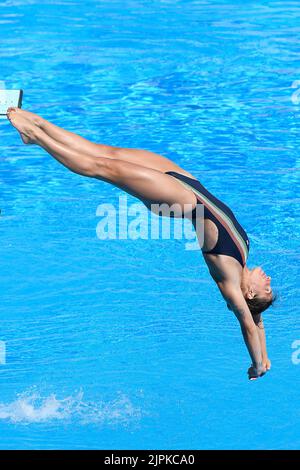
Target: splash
(31, 407)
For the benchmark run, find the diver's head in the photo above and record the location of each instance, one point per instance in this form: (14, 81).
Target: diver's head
(257, 290)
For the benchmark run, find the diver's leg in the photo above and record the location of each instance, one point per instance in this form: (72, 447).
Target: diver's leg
(80, 144)
(148, 185)
(70, 139)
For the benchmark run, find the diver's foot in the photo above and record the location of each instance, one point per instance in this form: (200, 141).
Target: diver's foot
(26, 128)
(32, 117)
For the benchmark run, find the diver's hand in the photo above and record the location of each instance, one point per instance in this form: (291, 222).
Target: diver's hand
(256, 372)
(267, 364)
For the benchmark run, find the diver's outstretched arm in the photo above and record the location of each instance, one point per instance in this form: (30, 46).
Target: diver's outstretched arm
(237, 303)
(263, 343)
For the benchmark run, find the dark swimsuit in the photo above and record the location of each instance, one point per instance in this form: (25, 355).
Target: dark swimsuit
(232, 239)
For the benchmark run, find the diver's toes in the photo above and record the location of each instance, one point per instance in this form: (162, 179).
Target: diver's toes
(10, 112)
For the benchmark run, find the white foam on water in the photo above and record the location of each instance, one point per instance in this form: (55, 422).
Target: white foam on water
(31, 407)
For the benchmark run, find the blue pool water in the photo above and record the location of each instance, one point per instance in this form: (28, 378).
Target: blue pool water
(123, 343)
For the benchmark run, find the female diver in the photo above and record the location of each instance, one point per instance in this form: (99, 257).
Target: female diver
(156, 180)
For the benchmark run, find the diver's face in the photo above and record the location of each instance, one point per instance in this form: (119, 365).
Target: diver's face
(260, 283)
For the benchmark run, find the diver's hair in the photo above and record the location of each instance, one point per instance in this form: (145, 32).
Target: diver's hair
(258, 305)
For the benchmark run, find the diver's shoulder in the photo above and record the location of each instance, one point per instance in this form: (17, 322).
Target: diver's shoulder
(224, 268)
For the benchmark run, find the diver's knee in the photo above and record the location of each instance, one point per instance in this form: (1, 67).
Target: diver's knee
(107, 168)
(107, 151)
